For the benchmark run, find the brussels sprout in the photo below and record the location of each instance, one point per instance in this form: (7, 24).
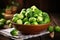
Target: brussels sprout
(8, 21)
(39, 19)
(23, 11)
(46, 17)
(14, 32)
(35, 9)
(25, 19)
(19, 21)
(1, 24)
(46, 20)
(27, 22)
(15, 19)
(50, 28)
(2, 20)
(29, 13)
(40, 13)
(57, 28)
(35, 23)
(35, 15)
(21, 16)
(31, 19)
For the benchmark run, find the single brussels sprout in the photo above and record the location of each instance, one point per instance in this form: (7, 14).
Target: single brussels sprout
(40, 13)
(1, 24)
(27, 22)
(25, 19)
(46, 20)
(23, 11)
(50, 28)
(39, 18)
(32, 19)
(14, 19)
(35, 15)
(57, 28)
(35, 9)
(19, 21)
(21, 16)
(2, 20)
(28, 13)
(8, 21)
(35, 23)
(45, 15)
(14, 32)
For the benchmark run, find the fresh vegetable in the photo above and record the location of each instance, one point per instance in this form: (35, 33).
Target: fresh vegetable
(2, 22)
(14, 32)
(19, 21)
(57, 28)
(31, 15)
(50, 28)
(32, 19)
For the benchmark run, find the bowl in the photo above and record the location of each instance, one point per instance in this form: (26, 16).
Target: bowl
(8, 16)
(31, 29)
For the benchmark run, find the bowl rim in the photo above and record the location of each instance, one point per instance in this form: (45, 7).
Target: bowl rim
(32, 24)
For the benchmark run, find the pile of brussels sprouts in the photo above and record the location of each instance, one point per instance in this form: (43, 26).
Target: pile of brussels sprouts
(31, 15)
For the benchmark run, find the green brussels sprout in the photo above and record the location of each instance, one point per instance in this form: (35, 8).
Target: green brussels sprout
(2, 20)
(8, 21)
(46, 20)
(57, 28)
(31, 19)
(27, 22)
(1, 24)
(39, 18)
(35, 23)
(21, 16)
(50, 28)
(25, 19)
(14, 19)
(35, 15)
(14, 32)
(35, 9)
(23, 11)
(46, 17)
(19, 21)
(40, 13)
(29, 13)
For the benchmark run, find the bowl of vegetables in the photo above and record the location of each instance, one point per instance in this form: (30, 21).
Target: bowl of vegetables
(31, 20)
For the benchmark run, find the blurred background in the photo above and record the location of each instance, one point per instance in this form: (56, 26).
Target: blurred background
(45, 5)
